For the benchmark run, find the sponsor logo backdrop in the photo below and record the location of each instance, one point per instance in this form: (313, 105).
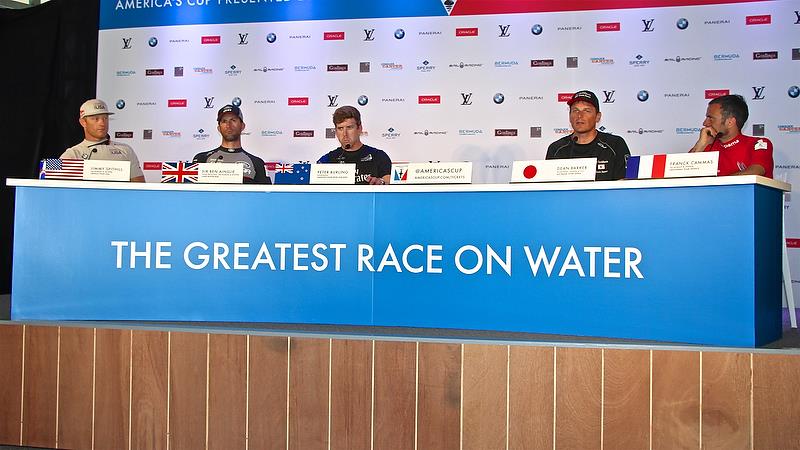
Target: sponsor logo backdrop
(445, 81)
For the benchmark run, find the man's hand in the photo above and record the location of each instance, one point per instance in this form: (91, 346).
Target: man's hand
(707, 136)
(375, 180)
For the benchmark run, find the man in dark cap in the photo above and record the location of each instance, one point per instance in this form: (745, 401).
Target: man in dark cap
(230, 124)
(587, 142)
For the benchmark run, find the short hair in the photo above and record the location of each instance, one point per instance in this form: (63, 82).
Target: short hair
(346, 112)
(732, 106)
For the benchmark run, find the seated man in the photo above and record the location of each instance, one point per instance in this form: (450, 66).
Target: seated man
(722, 132)
(587, 142)
(373, 166)
(97, 144)
(230, 124)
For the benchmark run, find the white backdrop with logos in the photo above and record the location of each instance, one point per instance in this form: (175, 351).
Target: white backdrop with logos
(488, 89)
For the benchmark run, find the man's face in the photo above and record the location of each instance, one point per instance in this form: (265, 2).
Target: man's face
(348, 133)
(230, 127)
(583, 117)
(714, 120)
(95, 128)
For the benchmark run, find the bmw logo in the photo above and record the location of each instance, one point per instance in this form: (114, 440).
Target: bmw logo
(152, 42)
(498, 98)
(793, 91)
(537, 29)
(120, 104)
(682, 24)
(643, 96)
(363, 100)
(236, 101)
(271, 37)
(399, 33)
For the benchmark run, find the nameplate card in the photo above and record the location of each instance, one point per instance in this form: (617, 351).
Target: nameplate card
(333, 173)
(222, 173)
(540, 171)
(677, 165)
(433, 173)
(101, 170)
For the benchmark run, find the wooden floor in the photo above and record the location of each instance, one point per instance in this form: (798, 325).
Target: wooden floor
(115, 388)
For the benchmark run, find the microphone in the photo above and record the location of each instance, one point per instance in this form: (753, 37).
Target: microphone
(94, 150)
(347, 146)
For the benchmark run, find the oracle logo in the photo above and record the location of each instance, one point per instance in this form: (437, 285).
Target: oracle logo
(298, 101)
(466, 31)
(176, 103)
(562, 97)
(430, 99)
(758, 20)
(210, 40)
(153, 72)
(150, 165)
(123, 134)
(303, 133)
(608, 26)
(714, 93)
(333, 36)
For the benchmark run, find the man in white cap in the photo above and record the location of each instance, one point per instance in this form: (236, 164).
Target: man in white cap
(97, 144)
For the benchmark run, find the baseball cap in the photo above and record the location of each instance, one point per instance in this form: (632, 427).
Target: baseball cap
(94, 107)
(585, 96)
(230, 109)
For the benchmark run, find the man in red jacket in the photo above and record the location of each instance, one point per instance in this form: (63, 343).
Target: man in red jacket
(738, 154)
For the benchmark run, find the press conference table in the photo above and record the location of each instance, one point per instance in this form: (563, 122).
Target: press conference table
(681, 260)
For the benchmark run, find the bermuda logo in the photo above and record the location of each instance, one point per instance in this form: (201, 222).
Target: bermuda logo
(369, 34)
(466, 99)
(505, 31)
(333, 101)
(609, 96)
(126, 43)
(647, 25)
(209, 102)
(758, 92)
(243, 38)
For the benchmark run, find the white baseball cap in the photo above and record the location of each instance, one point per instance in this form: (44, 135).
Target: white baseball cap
(94, 107)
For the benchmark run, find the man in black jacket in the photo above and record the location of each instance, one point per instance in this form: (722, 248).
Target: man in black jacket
(587, 142)
(230, 124)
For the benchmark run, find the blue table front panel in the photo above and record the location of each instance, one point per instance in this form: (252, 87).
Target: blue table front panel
(697, 265)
